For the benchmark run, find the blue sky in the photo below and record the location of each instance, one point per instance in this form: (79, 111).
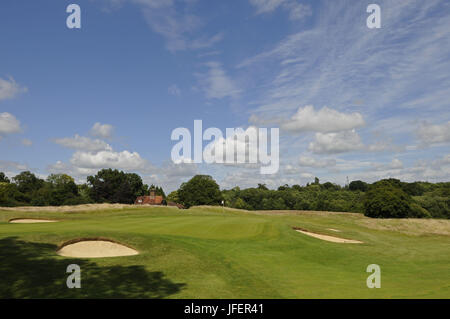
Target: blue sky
(349, 100)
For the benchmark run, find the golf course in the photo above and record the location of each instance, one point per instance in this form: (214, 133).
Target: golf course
(215, 252)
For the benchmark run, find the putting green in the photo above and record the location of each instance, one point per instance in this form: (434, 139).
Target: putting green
(203, 252)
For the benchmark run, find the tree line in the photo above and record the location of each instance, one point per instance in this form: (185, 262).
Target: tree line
(386, 198)
(107, 186)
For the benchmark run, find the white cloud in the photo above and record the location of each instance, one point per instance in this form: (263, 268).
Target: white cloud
(172, 170)
(313, 162)
(83, 144)
(9, 124)
(394, 164)
(216, 83)
(433, 134)
(78, 173)
(11, 166)
(423, 170)
(9, 88)
(333, 143)
(102, 130)
(308, 119)
(324, 120)
(124, 160)
(385, 146)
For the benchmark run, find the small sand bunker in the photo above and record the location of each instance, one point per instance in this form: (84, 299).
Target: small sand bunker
(329, 238)
(95, 248)
(336, 230)
(31, 221)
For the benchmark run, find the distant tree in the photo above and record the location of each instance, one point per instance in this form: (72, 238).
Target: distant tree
(413, 189)
(316, 181)
(391, 181)
(27, 182)
(240, 204)
(158, 190)
(200, 190)
(10, 195)
(296, 187)
(283, 187)
(263, 187)
(84, 192)
(62, 189)
(173, 197)
(330, 186)
(358, 186)
(3, 178)
(387, 201)
(115, 186)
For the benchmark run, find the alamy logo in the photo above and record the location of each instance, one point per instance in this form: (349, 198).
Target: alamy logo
(374, 280)
(374, 19)
(240, 146)
(73, 21)
(74, 279)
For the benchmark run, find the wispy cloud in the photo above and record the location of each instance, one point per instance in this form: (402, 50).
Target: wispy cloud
(295, 8)
(176, 22)
(402, 65)
(10, 89)
(215, 82)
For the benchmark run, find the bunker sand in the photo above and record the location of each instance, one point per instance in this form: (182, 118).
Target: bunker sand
(95, 249)
(329, 238)
(31, 221)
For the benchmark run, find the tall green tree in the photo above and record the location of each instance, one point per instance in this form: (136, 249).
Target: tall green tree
(200, 190)
(3, 178)
(27, 182)
(384, 200)
(62, 189)
(173, 197)
(114, 186)
(358, 186)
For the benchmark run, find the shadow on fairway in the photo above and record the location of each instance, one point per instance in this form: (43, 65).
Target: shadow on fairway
(31, 270)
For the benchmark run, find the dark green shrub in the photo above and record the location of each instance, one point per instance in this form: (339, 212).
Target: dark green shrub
(386, 201)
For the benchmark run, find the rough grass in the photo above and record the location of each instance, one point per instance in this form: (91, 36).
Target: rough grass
(207, 252)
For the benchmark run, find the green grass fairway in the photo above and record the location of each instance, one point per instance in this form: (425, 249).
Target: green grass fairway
(206, 253)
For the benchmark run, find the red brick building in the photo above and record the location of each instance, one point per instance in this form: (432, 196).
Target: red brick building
(152, 199)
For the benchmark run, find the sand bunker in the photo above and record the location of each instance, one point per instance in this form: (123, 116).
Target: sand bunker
(31, 221)
(95, 248)
(329, 238)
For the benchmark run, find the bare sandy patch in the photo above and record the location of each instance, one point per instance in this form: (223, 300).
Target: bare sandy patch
(329, 238)
(95, 248)
(409, 226)
(336, 230)
(31, 221)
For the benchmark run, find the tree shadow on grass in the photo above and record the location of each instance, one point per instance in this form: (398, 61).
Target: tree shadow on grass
(31, 270)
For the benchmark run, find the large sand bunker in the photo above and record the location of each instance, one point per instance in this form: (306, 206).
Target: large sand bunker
(31, 221)
(329, 238)
(95, 248)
